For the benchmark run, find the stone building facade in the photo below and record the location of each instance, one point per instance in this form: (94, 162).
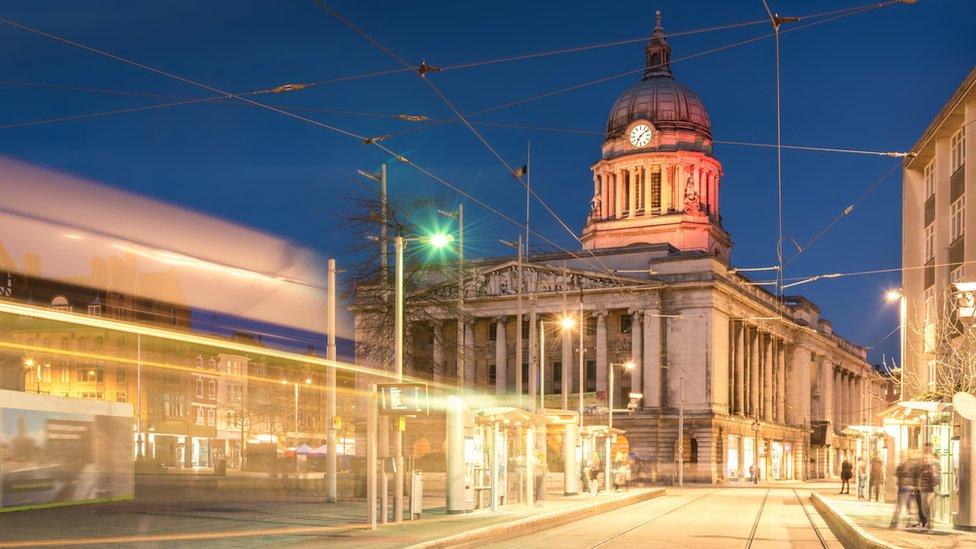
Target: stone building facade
(762, 379)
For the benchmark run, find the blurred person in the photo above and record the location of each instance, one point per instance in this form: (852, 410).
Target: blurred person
(929, 477)
(540, 471)
(906, 490)
(862, 476)
(846, 472)
(877, 478)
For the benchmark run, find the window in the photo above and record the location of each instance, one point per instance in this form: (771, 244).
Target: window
(656, 192)
(61, 303)
(525, 377)
(929, 247)
(95, 310)
(47, 373)
(590, 375)
(955, 275)
(525, 328)
(928, 329)
(211, 416)
(199, 388)
(957, 151)
(957, 218)
(237, 392)
(557, 377)
(212, 389)
(121, 375)
(492, 331)
(90, 374)
(626, 324)
(65, 375)
(931, 372)
(638, 192)
(199, 416)
(591, 326)
(928, 175)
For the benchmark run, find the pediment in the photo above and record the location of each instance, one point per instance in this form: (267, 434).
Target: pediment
(503, 281)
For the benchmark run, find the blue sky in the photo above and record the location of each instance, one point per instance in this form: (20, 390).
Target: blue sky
(869, 81)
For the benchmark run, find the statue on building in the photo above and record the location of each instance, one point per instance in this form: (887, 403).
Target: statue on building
(691, 196)
(595, 207)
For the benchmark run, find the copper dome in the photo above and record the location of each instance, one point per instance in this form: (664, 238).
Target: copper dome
(659, 97)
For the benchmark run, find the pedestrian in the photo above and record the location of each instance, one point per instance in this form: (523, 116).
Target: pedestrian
(877, 478)
(541, 470)
(904, 481)
(862, 477)
(914, 473)
(929, 477)
(846, 472)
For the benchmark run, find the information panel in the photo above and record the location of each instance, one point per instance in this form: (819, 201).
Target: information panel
(403, 399)
(58, 451)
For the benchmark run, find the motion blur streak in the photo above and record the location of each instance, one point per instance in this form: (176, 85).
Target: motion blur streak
(218, 266)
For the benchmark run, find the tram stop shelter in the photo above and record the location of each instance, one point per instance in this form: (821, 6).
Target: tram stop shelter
(592, 438)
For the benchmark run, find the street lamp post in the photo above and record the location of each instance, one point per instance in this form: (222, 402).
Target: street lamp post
(899, 296)
(518, 320)
(458, 215)
(606, 466)
(565, 323)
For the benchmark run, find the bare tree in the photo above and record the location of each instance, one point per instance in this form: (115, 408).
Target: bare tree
(372, 293)
(946, 355)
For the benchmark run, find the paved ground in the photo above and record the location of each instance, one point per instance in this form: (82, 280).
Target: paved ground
(253, 523)
(765, 516)
(875, 518)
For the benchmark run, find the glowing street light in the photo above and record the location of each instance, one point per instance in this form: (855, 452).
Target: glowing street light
(567, 322)
(440, 240)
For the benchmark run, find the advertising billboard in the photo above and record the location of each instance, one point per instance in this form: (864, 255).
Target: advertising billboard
(63, 451)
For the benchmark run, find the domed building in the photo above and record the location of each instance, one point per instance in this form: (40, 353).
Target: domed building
(759, 381)
(657, 180)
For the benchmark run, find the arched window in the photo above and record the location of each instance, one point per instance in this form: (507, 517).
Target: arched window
(656, 193)
(61, 303)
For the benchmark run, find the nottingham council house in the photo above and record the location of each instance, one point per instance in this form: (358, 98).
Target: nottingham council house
(762, 380)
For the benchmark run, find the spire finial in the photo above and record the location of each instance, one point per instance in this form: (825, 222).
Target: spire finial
(658, 51)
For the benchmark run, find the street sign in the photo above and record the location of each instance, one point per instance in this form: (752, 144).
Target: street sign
(403, 399)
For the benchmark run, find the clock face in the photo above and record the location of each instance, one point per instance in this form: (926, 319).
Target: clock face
(640, 135)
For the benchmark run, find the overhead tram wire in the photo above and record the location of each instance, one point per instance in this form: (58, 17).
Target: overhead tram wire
(848, 210)
(838, 14)
(285, 88)
(369, 38)
(341, 131)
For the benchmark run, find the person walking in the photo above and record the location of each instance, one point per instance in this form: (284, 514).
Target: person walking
(846, 472)
(541, 471)
(877, 478)
(905, 491)
(862, 477)
(929, 477)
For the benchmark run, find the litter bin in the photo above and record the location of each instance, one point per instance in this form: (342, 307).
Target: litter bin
(416, 494)
(220, 467)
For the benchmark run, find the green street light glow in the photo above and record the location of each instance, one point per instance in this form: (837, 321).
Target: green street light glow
(440, 240)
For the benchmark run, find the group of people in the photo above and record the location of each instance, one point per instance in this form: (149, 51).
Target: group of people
(593, 472)
(917, 477)
(869, 484)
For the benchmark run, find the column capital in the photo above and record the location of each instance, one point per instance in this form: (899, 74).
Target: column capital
(500, 319)
(635, 312)
(601, 313)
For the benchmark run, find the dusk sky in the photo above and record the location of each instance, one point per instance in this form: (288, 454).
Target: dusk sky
(870, 81)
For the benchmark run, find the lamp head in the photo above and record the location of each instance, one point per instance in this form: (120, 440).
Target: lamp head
(567, 322)
(892, 295)
(629, 365)
(440, 240)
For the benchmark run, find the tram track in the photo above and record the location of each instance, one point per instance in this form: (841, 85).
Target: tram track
(618, 535)
(816, 529)
(755, 523)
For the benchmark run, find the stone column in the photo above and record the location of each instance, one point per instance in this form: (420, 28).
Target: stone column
(604, 195)
(825, 381)
(754, 373)
(665, 188)
(567, 360)
(768, 379)
(501, 356)
(436, 327)
(469, 361)
(635, 350)
(781, 382)
(610, 190)
(632, 182)
(601, 351)
(652, 358)
(837, 418)
(738, 365)
(621, 192)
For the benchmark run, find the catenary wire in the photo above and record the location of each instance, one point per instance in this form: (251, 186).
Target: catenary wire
(347, 133)
(443, 97)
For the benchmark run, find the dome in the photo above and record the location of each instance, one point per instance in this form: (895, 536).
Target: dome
(659, 97)
(669, 104)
